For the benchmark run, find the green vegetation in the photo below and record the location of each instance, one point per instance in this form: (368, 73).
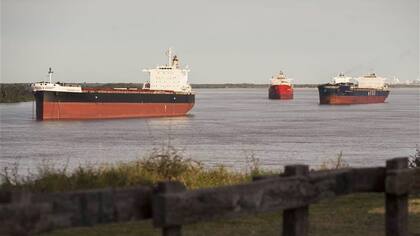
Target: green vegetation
(15, 93)
(163, 164)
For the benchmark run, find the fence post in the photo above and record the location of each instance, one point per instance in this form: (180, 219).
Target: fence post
(296, 221)
(396, 204)
(159, 208)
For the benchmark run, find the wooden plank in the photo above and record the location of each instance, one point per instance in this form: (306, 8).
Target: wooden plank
(80, 208)
(230, 201)
(368, 179)
(296, 220)
(396, 205)
(399, 181)
(101, 206)
(416, 185)
(134, 203)
(5, 197)
(333, 183)
(267, 195)
(24, 219)
(159, 207)
(350, 180)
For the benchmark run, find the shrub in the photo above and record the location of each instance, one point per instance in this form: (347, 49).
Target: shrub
(335, 163)
(414, 160)
(164, 164)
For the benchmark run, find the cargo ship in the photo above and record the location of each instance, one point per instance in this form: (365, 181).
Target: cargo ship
(345, 90)
(167, 93)
(280, 87)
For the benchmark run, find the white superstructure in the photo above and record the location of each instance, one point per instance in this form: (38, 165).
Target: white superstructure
(341, 78)
(56, 87)
(280, 79)
(168, 77)
(371, 81)
(368, 81)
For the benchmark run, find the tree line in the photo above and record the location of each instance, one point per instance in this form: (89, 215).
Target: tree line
(15, 93)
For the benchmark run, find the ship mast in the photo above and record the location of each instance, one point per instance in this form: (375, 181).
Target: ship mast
(50, 72)
(169, 52)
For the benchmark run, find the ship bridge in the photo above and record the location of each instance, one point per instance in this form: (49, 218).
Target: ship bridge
(168, 77)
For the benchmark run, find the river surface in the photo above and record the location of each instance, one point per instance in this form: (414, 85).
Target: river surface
(226, 126)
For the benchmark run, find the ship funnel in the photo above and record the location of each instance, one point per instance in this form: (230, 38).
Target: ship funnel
(175, 61)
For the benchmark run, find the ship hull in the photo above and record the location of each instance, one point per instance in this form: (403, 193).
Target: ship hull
(110, 105)
(346, 95)
(280, 92)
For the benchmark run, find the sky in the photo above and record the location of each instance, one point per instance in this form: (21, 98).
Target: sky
(230, 41)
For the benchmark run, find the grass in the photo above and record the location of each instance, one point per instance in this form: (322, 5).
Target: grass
(163, 164)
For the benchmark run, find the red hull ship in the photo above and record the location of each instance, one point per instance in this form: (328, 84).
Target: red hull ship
(280, 87)
(110, 103)
(55, 111)
(348, 100)
(166, 94)
(346, 90)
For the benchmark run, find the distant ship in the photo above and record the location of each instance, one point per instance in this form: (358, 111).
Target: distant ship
(345, 90)
(280, 87)
(167, 93)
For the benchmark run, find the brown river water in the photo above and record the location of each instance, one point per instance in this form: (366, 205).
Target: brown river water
(226, 126)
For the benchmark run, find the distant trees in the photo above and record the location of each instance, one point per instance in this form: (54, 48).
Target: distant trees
(15, 93)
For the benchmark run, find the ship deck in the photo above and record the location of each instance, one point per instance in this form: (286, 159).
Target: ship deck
(126, 91)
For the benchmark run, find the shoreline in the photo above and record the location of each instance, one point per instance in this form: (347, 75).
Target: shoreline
(21, 92)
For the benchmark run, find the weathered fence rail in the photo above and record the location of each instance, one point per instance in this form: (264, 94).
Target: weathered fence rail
(171, 205)
(37, 212)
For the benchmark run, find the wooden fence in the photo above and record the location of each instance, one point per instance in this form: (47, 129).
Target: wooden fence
(170, 205)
